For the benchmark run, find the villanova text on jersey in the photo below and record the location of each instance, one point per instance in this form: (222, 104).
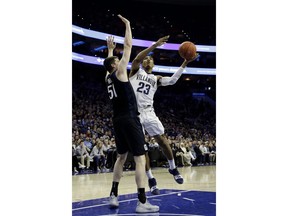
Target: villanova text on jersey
(146, 78)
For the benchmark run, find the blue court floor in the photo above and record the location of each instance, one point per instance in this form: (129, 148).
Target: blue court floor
(171, 202)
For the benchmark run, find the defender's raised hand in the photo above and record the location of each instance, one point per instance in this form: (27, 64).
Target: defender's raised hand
(110, 42)
(126, 21)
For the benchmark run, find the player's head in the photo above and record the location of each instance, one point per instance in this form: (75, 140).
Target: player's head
(111, 63)
(148, 64)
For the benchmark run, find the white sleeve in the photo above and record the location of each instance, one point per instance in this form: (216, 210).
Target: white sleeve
(173, 79)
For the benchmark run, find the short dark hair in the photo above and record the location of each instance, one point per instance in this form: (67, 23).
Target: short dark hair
(108, 61)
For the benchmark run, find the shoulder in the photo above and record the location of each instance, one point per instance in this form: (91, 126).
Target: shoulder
(135, 73)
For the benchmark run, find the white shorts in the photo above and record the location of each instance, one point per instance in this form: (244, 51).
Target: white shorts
(151, 122)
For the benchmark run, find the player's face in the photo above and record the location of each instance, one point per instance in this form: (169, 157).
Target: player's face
(115, 63)
(148, 63)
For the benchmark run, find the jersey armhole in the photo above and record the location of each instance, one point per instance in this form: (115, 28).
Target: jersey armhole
(106, 76)
(132, 77)
(158, 80)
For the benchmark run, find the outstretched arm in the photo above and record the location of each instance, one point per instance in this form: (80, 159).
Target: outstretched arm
(121, 73)
(139, 58)
(164, 81)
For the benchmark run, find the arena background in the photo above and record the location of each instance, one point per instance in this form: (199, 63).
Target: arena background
(186, 109)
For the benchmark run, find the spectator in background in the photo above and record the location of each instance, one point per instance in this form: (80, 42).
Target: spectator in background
(199, 154)
(88, 143)
(178, 155)
(206, 153)
(184, 152)
(212, 149)
(98, 156)
(75, 165)
(83, 154)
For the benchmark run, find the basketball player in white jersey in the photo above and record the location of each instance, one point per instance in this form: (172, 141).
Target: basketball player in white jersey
(145, 85)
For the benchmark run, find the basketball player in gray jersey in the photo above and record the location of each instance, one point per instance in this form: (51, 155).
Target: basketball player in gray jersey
(145, 85)
(127, 127)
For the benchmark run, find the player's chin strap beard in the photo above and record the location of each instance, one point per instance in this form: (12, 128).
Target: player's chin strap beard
(148, 69)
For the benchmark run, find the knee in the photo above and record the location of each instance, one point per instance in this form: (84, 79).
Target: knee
(122, 158)
(140, 159)
(162, 141)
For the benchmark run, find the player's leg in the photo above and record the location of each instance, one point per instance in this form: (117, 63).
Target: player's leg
(136, 141)
(151, 179)
(122, 150)
(117, 174)
(163, 143)
(143, 206)
(155, 128)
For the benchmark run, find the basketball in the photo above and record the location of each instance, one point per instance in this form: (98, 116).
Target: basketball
(187, 50)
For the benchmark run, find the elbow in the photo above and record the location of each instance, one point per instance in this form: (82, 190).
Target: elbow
(128, 42)
(165, 81)
(128, 45)
(173, 81)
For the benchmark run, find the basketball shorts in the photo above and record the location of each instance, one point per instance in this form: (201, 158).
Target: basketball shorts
(151, 122)
(129, 135)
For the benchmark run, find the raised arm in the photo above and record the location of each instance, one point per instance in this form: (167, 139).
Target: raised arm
(139, 58)
(164, 81)
(121, 73)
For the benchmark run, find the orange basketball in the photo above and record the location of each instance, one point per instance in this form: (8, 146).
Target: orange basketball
(187, 50)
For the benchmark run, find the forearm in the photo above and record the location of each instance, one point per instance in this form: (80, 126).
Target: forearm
(145, 52)
(128, 36)
(127, 48)
(139, 58)
(110, 52)
(122, 68)
(173, 79)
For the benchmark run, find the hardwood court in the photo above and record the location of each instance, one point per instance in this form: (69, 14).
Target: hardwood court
(92, 186)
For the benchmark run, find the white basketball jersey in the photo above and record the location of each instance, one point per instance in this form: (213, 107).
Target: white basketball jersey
(145, 86)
